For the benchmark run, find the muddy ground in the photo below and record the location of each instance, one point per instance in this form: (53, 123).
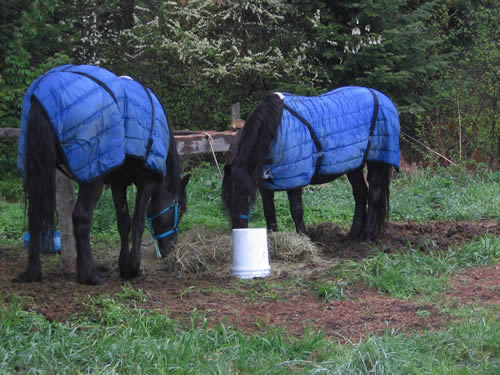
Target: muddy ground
(278, 300)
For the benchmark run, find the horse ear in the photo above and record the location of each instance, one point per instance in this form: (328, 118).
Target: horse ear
(185, 180)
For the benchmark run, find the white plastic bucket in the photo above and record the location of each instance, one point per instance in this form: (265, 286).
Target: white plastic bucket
(250, 253)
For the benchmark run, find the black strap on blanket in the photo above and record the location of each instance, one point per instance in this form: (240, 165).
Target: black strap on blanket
(108, 90)
(99, 82)
(372, 126)
(150, 141)
(314, 137)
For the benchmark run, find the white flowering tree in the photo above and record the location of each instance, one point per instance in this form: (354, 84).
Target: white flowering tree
(207, 54)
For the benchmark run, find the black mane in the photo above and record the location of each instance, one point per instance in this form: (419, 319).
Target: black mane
(243, 173)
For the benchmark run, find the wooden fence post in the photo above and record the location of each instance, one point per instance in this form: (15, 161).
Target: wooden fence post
(236, 121)
(65, 196)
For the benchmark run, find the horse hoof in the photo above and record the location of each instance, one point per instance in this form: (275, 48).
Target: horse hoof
(131, 274)
(90, 280)
(28, 277)
(353, 236)
(367, 237)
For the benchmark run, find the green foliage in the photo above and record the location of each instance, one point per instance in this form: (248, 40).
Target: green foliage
(463, 122)
(12, 190)
(11, 222)
(430, 57)
(35, 45)
(8, 158)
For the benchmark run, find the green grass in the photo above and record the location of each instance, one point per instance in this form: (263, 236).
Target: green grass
(412, 273)
(445, 194)
(110, 337)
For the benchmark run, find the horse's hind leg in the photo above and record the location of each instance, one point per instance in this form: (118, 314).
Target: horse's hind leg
(269, 208)
(378, 199)
(83, 213)
(360, 193)
(297, 209)
(123, 223)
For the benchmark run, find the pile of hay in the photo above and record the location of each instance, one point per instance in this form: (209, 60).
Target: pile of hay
(202, 250)
(291, 247)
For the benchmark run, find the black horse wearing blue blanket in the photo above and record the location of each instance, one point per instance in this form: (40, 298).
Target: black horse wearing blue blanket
(99, 129)
(292, 141)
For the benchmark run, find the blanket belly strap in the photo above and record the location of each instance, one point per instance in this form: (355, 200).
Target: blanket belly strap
(372, 125)
(314, 137)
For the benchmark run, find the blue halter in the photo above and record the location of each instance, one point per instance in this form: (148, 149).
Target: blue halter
(246, 217)
(175, 206)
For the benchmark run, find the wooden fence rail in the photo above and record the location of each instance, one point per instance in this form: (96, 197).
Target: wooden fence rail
(188, 142)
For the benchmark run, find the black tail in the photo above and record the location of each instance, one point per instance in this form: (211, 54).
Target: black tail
(40, 172)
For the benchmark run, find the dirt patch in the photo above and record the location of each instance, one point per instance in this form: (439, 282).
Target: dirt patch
(279, 300)
(399, 236)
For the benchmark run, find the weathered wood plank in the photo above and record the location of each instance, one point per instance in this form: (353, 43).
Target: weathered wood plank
(188, 142)
(9, 132)
(199, 142)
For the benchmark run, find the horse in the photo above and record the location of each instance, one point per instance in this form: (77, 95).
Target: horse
(291, 141)
(100, 130)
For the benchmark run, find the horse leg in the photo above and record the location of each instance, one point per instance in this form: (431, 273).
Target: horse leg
(360, 193)
(144, 193)
(269, 208)
(378, 199)
(297, 209)
(123, 223)
(83, 213)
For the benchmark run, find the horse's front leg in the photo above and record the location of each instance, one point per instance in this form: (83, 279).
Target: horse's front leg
(144, 193)
(123, 223)
(297, 209)
(269, 208)
(83, 213)
(360, 193)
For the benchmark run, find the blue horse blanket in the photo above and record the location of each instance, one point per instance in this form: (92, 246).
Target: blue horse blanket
(341, 120)
(99, 119)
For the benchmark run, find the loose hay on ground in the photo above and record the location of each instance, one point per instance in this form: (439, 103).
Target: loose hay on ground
(199, 250)
(202, 250)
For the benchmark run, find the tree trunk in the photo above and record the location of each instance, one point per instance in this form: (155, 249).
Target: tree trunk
(65, 203)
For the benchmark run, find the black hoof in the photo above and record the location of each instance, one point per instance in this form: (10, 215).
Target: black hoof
(353, 236)
(28, 277)
(367, 237)
(131, 274)
(89, 280)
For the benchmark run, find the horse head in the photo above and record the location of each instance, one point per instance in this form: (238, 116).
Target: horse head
(164, 213)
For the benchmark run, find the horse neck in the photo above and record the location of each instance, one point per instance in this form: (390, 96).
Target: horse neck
(258, 134)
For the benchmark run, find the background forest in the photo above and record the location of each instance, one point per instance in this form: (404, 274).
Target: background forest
(438, 60)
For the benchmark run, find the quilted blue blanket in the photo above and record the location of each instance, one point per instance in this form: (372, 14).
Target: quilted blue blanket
(342, 122)
(99, 118)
